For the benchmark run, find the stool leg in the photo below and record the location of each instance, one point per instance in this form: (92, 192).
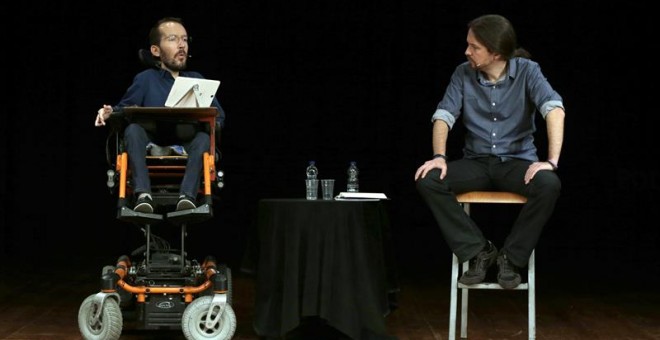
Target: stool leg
(454, 298)
(464, 304)
(531, 291)
(464, 291)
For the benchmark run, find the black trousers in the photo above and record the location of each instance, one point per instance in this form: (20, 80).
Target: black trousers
(463, 236)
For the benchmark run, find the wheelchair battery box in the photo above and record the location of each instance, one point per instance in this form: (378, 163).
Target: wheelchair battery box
(163, 312)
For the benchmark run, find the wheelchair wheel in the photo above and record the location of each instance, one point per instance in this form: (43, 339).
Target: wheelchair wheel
(109, 324)
(193, 322)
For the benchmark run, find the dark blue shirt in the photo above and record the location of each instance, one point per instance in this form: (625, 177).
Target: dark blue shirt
(151, 87)
(499, 116)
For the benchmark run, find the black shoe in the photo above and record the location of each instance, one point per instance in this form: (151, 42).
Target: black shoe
(185, 203)
(144, 205)
(508, 276)
(479, 265)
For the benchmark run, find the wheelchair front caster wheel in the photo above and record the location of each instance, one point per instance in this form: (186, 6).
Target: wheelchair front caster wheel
(194, 325)
(109, 323)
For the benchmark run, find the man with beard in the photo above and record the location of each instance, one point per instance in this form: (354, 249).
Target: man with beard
(497, 94)
(169, 48)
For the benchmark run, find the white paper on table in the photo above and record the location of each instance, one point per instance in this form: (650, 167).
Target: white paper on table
(361, 196)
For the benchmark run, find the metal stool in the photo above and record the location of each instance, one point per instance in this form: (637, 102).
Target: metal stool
(488, 197)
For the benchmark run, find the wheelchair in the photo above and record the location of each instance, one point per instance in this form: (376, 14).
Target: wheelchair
(158, 287)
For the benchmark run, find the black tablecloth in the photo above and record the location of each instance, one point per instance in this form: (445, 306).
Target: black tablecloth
(327, 259)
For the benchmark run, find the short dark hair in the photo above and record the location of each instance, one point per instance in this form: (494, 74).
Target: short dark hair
(497, 34)
(154, 33)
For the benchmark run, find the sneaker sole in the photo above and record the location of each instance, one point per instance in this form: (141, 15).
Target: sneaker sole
(144, 208)
(470, 282)
(185, 205)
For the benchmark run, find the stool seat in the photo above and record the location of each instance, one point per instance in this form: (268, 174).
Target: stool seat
(488, 197)
(491, 197)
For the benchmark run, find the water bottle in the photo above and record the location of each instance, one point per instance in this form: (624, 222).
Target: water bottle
(312, 170)
(352, 184)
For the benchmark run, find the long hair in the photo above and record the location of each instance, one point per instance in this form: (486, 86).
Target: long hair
(497, 34)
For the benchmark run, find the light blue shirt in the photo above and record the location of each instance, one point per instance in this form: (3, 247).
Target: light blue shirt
(499, 117)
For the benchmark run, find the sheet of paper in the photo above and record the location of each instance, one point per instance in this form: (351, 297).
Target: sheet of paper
(361, 196)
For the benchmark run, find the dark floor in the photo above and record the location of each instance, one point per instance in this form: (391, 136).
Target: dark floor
(42, 303)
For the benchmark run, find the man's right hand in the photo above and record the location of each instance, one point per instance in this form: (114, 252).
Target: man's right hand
(437, 163)
(102, 115)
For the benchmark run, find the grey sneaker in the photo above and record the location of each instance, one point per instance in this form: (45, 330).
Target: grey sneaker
(185, 203)
(479, 265)
(144, 205)
(508, 276)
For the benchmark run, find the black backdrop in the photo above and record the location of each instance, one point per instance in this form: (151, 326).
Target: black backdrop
(332, 81)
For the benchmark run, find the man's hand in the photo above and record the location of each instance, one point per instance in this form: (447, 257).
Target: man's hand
(534, 168)
(437, 163)
(102, 115)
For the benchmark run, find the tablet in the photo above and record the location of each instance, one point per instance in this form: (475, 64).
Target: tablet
(192, 92)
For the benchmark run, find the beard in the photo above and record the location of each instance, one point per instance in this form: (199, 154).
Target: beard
(174, 64)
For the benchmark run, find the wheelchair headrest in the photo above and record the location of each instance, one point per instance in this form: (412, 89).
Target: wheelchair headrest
(147, 59)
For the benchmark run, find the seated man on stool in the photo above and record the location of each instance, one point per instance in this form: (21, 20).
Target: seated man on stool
(150, 88)
(498, 91)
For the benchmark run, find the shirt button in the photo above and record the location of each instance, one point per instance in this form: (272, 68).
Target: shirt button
(492, 104)
(494, 119)
(494, 134)
(493, 146)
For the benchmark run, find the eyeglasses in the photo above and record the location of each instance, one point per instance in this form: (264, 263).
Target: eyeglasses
(177, 39)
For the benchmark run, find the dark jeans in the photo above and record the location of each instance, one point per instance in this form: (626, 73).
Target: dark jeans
(137, 139)
(463, 236)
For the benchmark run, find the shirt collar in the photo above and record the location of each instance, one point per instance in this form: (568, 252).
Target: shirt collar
(510, 73)
(167, 75)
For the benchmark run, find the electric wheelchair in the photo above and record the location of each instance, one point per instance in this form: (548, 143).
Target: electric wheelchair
(158, 287)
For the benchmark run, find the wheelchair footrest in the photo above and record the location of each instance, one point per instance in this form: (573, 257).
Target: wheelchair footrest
(197, 215)
(129, 215)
